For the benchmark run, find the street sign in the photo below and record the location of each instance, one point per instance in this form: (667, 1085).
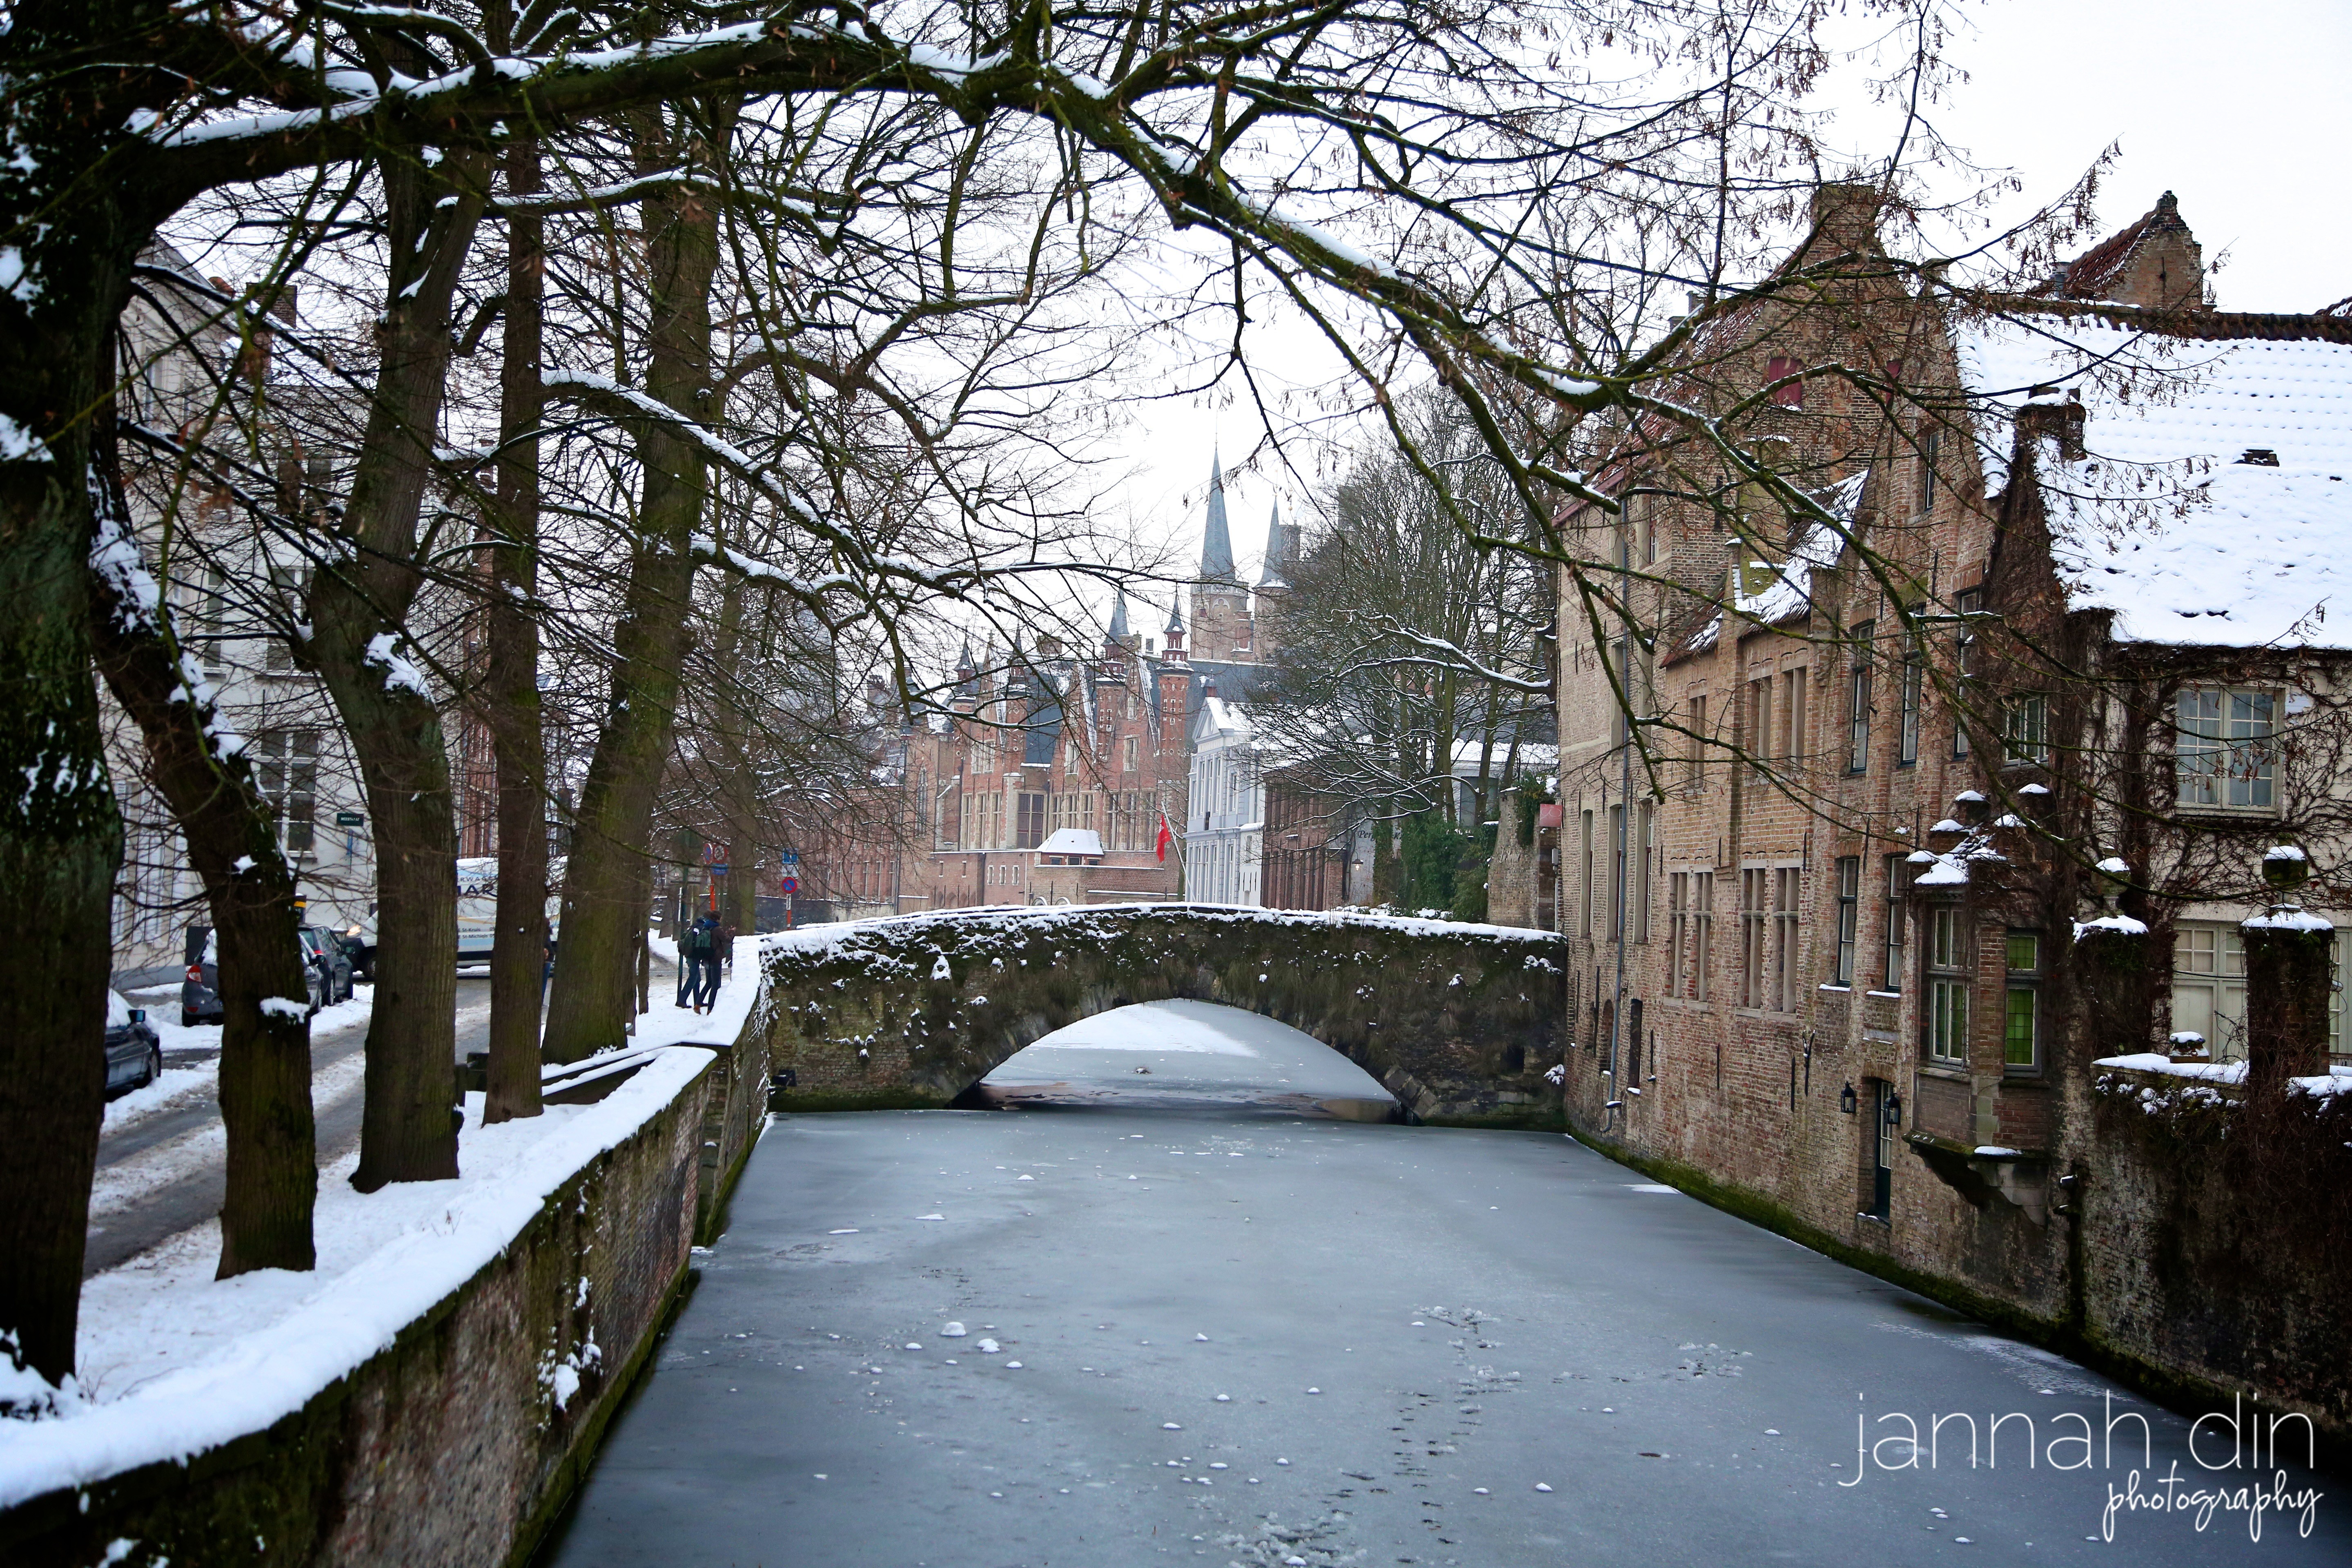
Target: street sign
(790, 884)
(718, 868)
(350, 819)
(789, 856)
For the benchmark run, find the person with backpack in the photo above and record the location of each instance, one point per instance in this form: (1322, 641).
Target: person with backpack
(697, 956)
(714, 955)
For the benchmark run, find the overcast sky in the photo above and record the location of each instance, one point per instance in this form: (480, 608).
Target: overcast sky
(2240, 109)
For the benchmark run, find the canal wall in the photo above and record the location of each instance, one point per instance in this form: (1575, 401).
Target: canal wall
(392, 1421)
(1459, 1022)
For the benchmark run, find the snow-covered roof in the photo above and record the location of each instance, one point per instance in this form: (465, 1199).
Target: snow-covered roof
(1072, 841)
(2162, 521)
(1225, 718)
(1768, 592)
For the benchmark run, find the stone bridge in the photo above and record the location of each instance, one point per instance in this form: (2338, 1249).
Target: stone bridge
(1459, 1022)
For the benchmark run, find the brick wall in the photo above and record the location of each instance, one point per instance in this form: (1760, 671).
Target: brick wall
(447, 1447)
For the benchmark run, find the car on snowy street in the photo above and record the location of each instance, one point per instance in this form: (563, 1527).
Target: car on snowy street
(134, 1054)
(325, 976)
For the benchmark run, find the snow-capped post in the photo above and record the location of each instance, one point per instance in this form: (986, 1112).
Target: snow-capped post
(2110, 966)
(2289, 956)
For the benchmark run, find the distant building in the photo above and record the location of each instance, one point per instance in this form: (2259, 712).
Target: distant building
(236, 588)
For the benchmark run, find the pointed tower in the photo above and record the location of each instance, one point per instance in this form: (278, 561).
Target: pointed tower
(1273, 583)
(1118, 638)
(1221, 617)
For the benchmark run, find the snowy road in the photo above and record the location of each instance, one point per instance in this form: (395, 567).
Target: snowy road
(161, 1173)
(1227, 1334)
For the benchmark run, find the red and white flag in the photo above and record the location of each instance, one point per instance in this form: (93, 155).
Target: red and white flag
(1167, 836)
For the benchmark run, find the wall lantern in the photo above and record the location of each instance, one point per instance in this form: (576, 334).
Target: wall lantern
(1846, 1102)
(1895, 1111)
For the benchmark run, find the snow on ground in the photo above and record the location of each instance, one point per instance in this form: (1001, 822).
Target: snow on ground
(174, 1361)
(1164, 1027)
(121, 1186)
(182, 1086)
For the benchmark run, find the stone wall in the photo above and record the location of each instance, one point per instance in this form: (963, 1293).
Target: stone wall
(450, 1446)
(1459, 1022)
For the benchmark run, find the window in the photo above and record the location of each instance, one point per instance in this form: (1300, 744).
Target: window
(286, 771)
(1755, 895)
(1677, 929)
(1617, 868)
(1792, 395)
(2021, 1030)
(1759, 738)
(1928, 443)
(1947, 989)
(1792, 716)
(1584, 884)
(1643, 844)
(290, 585)
(1032, 826)
(1898, 917)
(1784, 939)
(1849, 917)
(1702, 933)
(1695, 765)
(2225, 752)
(1907, 735)
(1967, 603)
(2025, 729)
(2208, 986)
(1857, 722)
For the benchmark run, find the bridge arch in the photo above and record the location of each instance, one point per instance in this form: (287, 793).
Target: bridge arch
(1458, 1021)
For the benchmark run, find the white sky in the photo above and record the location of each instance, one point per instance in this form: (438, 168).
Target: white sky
(2239, 110)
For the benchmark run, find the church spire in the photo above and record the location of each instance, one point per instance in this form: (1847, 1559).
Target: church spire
(1216, 540)
(1281, 551)
(1117, 635)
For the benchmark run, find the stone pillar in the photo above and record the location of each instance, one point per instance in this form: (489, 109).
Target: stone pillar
(2289, 957)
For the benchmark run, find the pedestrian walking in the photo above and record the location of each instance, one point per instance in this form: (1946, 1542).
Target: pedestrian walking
(696, 958)
(713, 955)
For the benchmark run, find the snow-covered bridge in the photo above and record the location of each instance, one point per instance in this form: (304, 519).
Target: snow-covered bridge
(1459, 1022)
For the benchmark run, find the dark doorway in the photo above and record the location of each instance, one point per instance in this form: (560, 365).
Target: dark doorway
(1883, 1113)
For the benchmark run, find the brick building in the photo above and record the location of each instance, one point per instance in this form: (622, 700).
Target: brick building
(2035, 651)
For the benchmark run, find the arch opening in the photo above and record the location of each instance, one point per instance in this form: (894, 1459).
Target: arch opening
(1184, 1054)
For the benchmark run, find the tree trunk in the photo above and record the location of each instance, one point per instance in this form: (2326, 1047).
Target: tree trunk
(589, 1011)
(61, 835)
(406, 1132)
(519, 947)
(232, 839)
(60, 831)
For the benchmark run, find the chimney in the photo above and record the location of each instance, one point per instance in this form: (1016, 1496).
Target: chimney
(1847, 214)
(2060, 422)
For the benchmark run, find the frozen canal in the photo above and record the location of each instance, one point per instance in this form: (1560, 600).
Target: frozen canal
(1203, 1322)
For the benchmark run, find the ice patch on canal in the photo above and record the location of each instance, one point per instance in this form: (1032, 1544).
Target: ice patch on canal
(1194, 1026)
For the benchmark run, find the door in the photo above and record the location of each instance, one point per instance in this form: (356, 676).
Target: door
(1882, 1149)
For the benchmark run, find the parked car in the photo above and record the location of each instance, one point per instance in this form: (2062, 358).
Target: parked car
(331, 958)
(326, 974)
(134, 1055)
